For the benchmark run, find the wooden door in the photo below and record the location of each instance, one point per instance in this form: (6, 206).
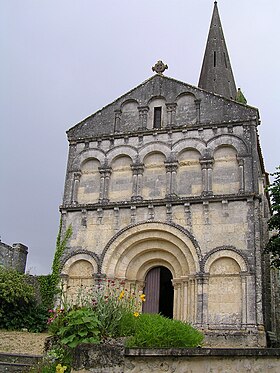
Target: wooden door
(152, 291)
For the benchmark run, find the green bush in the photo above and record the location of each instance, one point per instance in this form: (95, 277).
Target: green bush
(80, 326)
(156, 331)
(18, 306)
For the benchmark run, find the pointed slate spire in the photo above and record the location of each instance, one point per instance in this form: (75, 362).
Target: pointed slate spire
(216, 74)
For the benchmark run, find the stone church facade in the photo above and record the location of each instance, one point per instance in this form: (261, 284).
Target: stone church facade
(165, 191)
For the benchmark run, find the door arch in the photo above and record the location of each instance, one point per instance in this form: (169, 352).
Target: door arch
(159, 292)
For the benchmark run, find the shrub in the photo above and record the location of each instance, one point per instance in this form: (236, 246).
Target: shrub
(153, 330)
(80, 326)
(18, 306)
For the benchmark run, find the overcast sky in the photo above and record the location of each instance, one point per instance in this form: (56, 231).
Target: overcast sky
(61, 60)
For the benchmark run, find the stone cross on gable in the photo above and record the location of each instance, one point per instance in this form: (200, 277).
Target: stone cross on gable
(159, 67)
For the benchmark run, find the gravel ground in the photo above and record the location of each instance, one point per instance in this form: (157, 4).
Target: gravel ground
(22, 342)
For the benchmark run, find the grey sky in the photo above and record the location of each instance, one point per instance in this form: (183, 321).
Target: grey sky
(61, 60)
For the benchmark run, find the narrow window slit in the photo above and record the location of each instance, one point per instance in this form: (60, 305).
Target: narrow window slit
(157, 117)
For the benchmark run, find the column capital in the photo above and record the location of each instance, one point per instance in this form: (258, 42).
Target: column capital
(105, 170)
(137, 168)
(171, 106)
(206, 163)
(77, 175)
(143, 109)
(171, 166)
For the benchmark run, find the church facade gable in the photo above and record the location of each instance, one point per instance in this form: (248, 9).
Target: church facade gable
(165, 192)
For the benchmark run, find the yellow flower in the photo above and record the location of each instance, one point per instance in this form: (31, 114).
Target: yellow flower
(142, 297)
(136, 314)
(121, 294)
(60, 369)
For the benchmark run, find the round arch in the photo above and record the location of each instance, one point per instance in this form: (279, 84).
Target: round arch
(225, 253)
(79, 257)
(132, 253)
(88, 154)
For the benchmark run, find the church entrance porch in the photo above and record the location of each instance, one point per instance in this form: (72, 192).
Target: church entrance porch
(159, 292)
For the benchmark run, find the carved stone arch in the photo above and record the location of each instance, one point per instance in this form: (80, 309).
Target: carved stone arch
(129, 101)
(139, 248)
(228, 140)
(225, 251)
(87, 154)
(186, 109)
(189, 173)
(153, 147)
(225, 269)
(185, 93)
(81, 254)
(132, 236)
(121, 180)
(228, 173)
(129, 115)
(125, 150)
(191, 143)
(157, 114)
(77, 275)
(87, 181)
(154, 98)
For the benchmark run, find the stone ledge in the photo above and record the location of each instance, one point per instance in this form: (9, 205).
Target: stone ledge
(189, 352)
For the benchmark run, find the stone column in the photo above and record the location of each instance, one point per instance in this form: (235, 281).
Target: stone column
(203, 164)
(241, 175)
(137, 178)
(244, 300)
(210, 176)
(117, 124)
(199, 316)
(171, 171)
(197, 108)
(206, 169)
(76, 183)
(105, 173)
(171, 113)
(185, 316)
(143, 115)
(177, 299)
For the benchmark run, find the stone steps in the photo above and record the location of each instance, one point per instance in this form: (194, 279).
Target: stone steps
(14, 363)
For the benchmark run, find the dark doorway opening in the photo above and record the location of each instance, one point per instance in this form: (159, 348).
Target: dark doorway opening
(159, 292)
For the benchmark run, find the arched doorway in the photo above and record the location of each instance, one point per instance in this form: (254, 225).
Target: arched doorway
(159, 292)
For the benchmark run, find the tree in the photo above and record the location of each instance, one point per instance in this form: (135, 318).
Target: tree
(273, 246)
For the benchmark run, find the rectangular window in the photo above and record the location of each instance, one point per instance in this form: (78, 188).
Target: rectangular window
(157, 117)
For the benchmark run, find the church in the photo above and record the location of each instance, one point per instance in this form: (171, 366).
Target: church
(165, 190)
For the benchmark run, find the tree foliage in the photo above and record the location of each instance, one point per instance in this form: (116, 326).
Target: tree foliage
(18, 306)
(273, 246)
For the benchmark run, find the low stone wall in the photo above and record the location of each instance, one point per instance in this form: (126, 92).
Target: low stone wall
(107, 359)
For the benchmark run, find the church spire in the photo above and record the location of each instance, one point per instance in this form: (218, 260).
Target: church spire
(216, 74)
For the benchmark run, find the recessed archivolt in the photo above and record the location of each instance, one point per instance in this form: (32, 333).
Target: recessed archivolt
(88, 154)
(78, 257)
(185, 94)
(154, 147)
(192, 144)
(152, 249)
(146, 243)
(128, 151)
(224, 140)
(225, 253)
(127, 102)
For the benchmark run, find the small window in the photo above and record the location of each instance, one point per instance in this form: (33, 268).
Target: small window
(214, 58)
(157, 117)
(225, 59)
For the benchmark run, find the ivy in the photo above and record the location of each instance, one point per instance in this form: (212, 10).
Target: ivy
(49, 284)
